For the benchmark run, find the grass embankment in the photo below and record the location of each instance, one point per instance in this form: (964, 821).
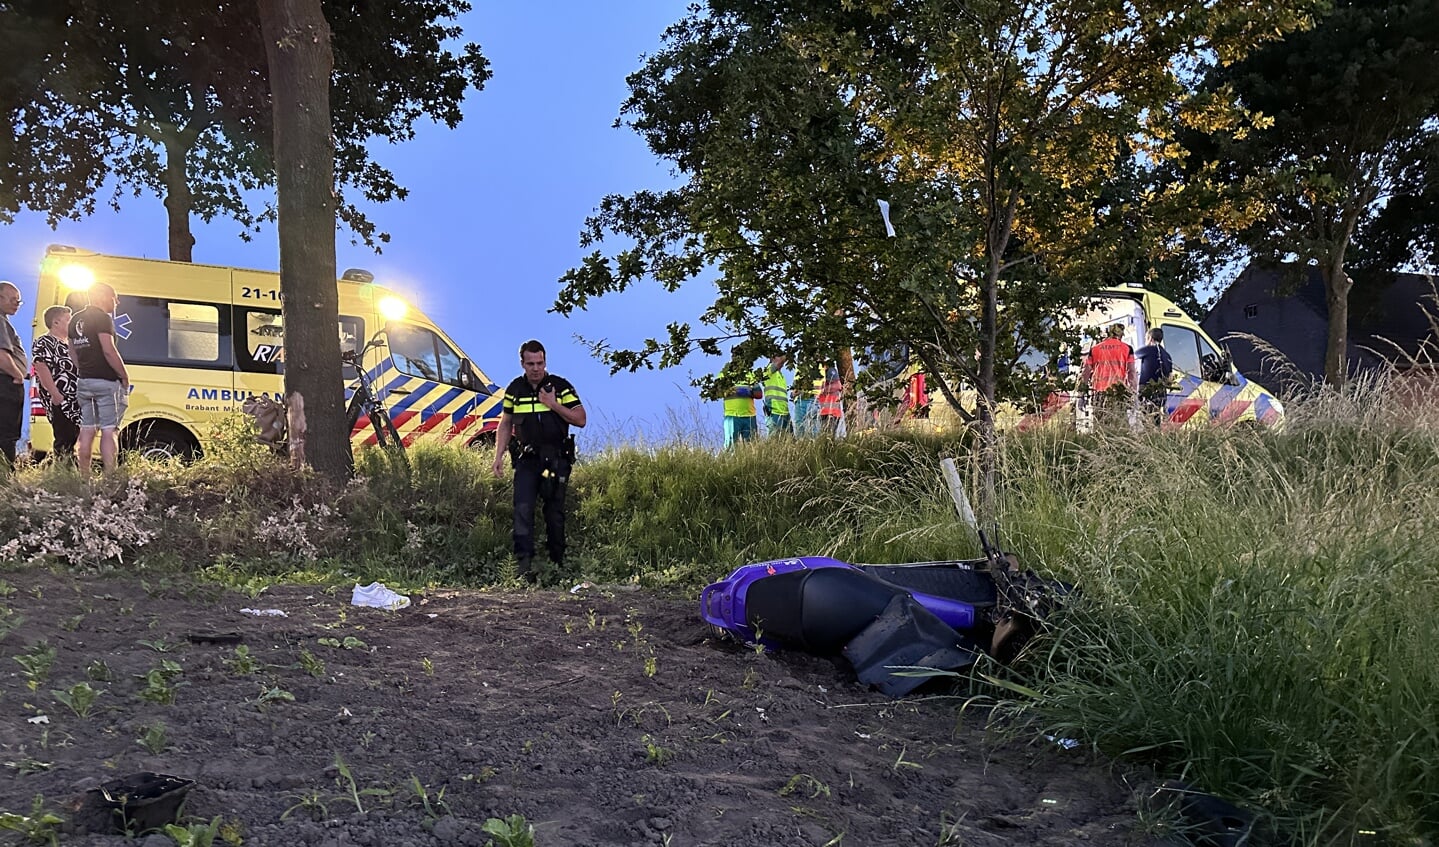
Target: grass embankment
(1258, 612)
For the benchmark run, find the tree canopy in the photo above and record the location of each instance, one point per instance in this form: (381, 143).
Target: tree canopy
(1018, 145)
(1347, 150)
(173, 98)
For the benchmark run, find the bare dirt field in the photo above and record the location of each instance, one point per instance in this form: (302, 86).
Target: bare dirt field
(603, 716)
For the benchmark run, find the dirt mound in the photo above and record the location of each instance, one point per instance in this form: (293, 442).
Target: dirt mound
(605, 717)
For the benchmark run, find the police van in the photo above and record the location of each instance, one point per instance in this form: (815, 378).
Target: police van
(1205, 387)
(198, 340)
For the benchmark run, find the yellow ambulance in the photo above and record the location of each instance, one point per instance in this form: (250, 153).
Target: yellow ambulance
(1205, 388)
(198, 340)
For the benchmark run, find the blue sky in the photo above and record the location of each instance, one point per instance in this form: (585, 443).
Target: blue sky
(494, 212)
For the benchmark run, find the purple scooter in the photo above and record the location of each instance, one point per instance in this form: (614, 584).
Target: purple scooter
(930, 614)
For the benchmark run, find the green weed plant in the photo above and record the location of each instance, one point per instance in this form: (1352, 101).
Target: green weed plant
(38, 827)
(79, 698)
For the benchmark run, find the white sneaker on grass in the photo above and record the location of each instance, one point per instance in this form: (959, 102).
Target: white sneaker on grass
(377, 595)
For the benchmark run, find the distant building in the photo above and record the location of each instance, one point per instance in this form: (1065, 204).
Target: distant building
(1389, 323)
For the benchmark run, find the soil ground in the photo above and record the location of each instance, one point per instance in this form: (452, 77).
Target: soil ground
(604, 716)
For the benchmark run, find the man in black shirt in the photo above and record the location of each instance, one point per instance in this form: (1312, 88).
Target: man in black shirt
(539, 409)
(103, 391)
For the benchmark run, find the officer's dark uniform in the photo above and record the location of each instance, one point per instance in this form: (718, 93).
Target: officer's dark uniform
(542, 451)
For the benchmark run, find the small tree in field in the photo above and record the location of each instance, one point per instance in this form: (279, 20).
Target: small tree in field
(997, 132)
(172, 98)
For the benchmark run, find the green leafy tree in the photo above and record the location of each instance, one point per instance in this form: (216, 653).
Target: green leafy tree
(1345, 149)
(172, 98)
(1016, 142)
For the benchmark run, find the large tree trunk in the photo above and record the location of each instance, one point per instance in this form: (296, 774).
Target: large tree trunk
(1336, 293)
(178, 202)
(297, 45)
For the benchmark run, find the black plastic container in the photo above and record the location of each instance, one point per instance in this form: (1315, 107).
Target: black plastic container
(145, 801)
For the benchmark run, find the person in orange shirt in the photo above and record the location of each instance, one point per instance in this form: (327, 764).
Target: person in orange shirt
(831, 399)
(1108, 375)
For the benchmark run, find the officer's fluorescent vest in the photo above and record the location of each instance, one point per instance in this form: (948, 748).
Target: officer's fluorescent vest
(740, 407)
(775, 393)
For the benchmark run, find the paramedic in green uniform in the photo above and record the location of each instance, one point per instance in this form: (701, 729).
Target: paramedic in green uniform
(776, 397)
(739, 418)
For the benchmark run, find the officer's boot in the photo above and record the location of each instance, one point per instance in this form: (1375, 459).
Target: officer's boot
(525, 569)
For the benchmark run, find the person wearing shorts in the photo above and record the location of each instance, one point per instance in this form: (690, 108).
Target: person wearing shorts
(103, 390)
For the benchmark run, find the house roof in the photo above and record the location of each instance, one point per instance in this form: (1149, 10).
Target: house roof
(1394, 309)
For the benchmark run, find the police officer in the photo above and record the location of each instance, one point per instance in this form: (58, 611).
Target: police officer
(539, 410)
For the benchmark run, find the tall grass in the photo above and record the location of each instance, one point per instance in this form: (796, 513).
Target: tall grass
(683, 514)
(675, 514)
(1258, 612)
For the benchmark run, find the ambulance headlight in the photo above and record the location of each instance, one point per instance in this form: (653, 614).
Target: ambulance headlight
(392, 308)
(77, 277)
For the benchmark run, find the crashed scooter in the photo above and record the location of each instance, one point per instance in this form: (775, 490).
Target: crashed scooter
(886, 618)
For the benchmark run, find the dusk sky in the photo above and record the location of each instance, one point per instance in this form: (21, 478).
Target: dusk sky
(493, 216)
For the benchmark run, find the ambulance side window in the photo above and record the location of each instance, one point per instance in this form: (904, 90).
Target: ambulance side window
(1215, 367)
(261, 348)
(159, 331)
(1183, 347)
(449, 362)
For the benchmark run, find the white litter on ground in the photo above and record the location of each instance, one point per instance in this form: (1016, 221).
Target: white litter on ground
(265, 613)
(378, 596)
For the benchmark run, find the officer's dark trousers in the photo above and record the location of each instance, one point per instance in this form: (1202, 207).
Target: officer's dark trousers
(531, 486)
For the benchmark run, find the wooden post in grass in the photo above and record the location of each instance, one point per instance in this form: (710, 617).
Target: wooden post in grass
(956, 493)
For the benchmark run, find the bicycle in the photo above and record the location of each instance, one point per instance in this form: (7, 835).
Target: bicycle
(270, 415)
(364, 401)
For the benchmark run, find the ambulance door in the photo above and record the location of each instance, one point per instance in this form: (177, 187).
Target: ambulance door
(1190, 400)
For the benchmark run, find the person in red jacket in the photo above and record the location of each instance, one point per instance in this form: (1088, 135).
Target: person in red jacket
(831, 399)
(1108, 375)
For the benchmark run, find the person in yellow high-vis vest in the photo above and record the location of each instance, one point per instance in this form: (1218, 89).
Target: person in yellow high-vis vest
(739, 413)
(776, 397)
